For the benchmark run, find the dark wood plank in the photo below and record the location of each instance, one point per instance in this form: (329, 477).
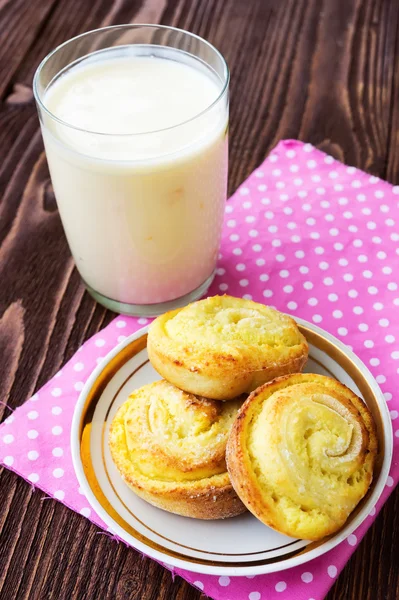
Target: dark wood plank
(324, 71)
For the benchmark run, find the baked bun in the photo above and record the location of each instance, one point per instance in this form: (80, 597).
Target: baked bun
(169, 447)
(301, 454)
(222, 347)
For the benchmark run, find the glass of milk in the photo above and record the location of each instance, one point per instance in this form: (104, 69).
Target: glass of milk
(134, 121)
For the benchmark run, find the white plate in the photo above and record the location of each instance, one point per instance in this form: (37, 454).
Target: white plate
(238, 546)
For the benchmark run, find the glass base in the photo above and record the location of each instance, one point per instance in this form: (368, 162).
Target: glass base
(150, 310)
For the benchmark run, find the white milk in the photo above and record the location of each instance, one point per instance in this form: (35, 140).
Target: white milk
(142, 211)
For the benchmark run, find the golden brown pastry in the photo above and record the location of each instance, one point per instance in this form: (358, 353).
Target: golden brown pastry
(222, 347)
(301, 454)
(169, 447)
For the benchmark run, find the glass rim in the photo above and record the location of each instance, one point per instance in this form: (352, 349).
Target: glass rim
(128, 26)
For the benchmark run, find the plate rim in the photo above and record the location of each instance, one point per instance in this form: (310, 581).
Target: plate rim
(198, 567)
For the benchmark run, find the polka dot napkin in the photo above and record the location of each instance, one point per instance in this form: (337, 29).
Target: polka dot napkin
(308, 235)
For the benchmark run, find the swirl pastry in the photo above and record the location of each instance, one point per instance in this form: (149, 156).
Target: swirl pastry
(169, 447)
(301, 454)
(222, 347)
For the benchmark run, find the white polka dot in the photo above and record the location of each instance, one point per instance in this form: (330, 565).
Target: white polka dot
(32, 434)
(332, 297)
(358, 310)
(223, 287)
(303, 269)
(8, 461)
(367, 274)
(224, 581)
(239, 267)
(298, 181)
(319, 250)
(383, 322)
(56, 392)
(86, 512)
(334, 231)
(57, 430)
(394, 414)
(272, 228)
(59, 494)
(281, 586)
(260, 262)
(33, 455)
(33, 477)
(9, 419)
(380, 379)
(56, 410)
(80, 366)
(352, 539)
(397, 433)
(369, 343)
(284, 273)
(296, 239)
(332, 571)
(244, 282)
(362, 258)
(57, 473)
(231, 223)
(333, 174)
(337, 314)
(8, 439)
(234, 237)
(121, 324)
(363, 327)
(79, 385)
(306, 207)
(280, 257)
(247, 297)
(328, 281)
(353, 294)
(256, 247)
(267, 293)
(120, 338)
(313, 301)
(392, 286)
(371, 225)
(372, 512)
(199, 585)
(292, 305)
(343, 262)
(32, 415)
(329, 218)
(374, 362)
(237, 251)
(388, 396)
(288, 289)
(390, 339)
(250, 219)
(57, 452)
(253, 233)
(308, 285)
(324, 266)
(317, 318)
(307, 577)
(348, 277)
(299, 254)
(264, 277)
(342, 331)
(99, 343)
(390, 481)
(303, 194)
(387, 270)
(254, 596)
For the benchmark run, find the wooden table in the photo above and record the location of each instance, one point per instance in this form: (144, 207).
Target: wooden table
(324, 71)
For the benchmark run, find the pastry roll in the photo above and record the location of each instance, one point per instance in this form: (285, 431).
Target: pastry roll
(301, 454)
(169, 447)
(222, 347)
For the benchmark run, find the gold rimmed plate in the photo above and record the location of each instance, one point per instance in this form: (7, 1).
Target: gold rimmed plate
(238, 546)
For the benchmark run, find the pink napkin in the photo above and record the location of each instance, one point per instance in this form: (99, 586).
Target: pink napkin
(308, 235)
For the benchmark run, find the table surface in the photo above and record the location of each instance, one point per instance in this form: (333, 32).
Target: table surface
(324, 71)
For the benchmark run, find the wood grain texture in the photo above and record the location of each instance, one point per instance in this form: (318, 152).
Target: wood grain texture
(325, 71)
